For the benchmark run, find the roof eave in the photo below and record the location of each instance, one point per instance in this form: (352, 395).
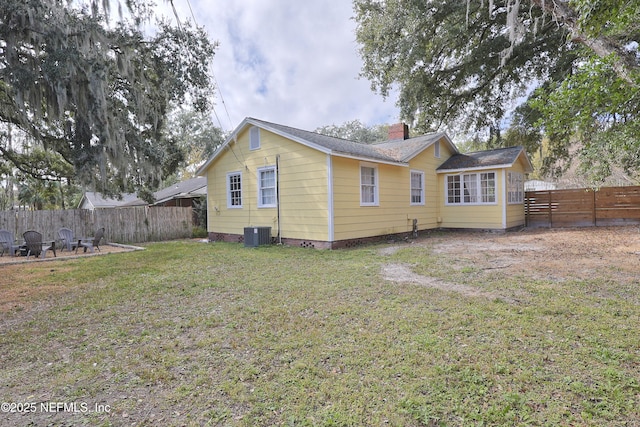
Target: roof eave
(202, 169)
(368, 159)
(437, 137)
(475, 168)
(528, 164)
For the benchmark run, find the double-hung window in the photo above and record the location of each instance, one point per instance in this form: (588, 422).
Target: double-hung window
(515, 187)
(234, 190)
(368, 185)
(267, 187)
(471, 188)
(417, 188)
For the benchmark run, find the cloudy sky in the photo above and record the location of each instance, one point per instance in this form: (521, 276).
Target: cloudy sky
(291, 62)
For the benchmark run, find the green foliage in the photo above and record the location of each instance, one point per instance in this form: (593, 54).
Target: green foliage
(357, 131)
(195, 134)
(96, 92)
(464, 64)
(447, 58)
(199, 232)
(596, 110)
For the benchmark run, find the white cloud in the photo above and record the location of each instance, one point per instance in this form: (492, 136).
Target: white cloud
(287, 61)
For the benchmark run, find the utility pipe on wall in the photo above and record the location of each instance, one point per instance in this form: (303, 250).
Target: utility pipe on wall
(278, 196)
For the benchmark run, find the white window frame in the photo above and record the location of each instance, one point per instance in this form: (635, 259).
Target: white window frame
(515, 188)
(488, 194)
(230, 191)
(470, 188)
(376, 200)
(254, 138)
(436, 149)
(450, 189)
(261, 188)
(412, 189)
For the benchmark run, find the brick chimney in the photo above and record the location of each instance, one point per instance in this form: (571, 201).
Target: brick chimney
(398, 131)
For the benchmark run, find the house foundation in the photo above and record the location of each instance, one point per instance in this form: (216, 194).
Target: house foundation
(316, 244)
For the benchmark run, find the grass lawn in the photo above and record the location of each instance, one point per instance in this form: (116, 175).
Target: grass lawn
(187, 333)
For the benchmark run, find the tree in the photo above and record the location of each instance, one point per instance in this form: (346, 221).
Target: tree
(95, 94)
(196, 135)
(470, 63)
(355, 130)
(29, 168)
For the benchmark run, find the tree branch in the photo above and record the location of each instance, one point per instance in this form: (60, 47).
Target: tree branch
(623, 63)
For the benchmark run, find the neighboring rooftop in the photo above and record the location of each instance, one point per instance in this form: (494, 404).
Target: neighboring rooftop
(193, 187)
(93, 200)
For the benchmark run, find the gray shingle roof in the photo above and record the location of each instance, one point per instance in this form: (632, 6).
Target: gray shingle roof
(396, 151)
(405, 149)
(336, 145)
(482, 159)
(187, 188)
(98, 201)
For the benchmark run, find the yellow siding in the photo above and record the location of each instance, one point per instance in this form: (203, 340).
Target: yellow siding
(481, 216)
(394, 213)
(303, 188)
(354, 221)
(306, 203)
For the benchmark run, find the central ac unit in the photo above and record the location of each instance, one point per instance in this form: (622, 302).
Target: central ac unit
(257, 236)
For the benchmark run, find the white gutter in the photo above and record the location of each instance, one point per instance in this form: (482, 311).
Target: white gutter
(460, 170)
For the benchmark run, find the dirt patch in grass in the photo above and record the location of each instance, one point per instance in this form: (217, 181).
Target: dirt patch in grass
(556, 254)
(549, 254)
(18, 280)
(402, 273)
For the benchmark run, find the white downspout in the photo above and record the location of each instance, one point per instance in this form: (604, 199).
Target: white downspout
(278, 197)
(504, 199)
(330, 213)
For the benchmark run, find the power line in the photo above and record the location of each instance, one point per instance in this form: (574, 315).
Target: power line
(215, 80)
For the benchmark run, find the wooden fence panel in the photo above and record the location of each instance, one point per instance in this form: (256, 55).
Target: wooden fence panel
(574, 208)
(122, 225)
(583, 207)
(8, 221)
(618, 206)
(538, 206)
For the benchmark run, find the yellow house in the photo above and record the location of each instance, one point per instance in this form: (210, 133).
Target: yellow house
(318, 191)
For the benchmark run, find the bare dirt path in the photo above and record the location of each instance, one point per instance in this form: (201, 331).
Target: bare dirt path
(401, 273)
(549, 254)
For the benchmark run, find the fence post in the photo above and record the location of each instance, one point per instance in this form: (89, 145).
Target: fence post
(595, 216)
(550, 209)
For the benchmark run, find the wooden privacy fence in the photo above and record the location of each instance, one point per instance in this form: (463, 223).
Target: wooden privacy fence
(122, 225)
(583, 207)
